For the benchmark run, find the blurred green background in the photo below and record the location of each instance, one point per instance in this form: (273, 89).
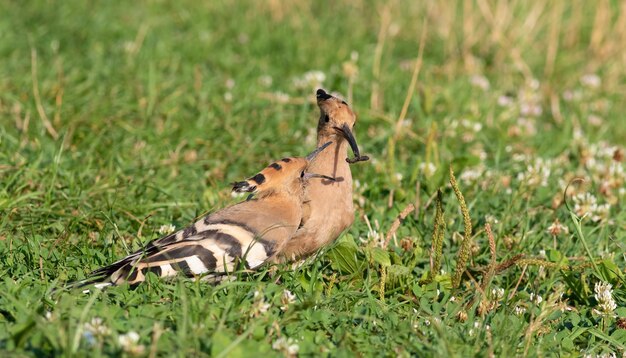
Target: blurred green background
(119, 117)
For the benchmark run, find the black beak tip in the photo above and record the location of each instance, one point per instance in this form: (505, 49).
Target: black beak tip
(322, 95)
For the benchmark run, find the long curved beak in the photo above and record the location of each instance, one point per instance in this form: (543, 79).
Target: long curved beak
(347, 133)
(309, 158)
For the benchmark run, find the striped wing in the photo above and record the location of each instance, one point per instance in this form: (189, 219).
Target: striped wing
(216, 248)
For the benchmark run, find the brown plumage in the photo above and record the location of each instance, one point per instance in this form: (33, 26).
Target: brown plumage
(251, 232)
(328, 208)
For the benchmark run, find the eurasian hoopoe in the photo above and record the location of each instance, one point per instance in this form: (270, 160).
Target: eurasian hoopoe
(328, 208)
(251, 232)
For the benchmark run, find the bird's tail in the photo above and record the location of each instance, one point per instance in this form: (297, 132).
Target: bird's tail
(210, 254)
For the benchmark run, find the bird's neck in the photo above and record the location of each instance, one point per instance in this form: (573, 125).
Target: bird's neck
(332, 160)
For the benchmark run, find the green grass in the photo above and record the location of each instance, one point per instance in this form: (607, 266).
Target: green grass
(117, 118)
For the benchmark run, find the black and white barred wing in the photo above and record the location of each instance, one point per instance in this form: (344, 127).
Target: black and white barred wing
(216, 250)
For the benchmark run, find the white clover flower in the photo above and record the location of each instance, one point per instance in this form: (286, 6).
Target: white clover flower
(594, 165)
(96, 327)
(93, 330)
(129, 47)
(602, 355)
(228, 96)
(265, 80)
(534, 84)
(480, 81)
(578, 135)
(259, 306)
(476, 325)
(601, 213)
(243, 38)
(311, 79)
(595, 120)
(604, 296)
(281, 97)
(604, 151)
(536, 174)
(519, 310)
(584, 204)
(505, 101)
(616, 172)
(572, 96)
(480, 153)
(536, 299)
(373, 235)
(528, 125)
(530, 109)
(491, 220)
(354, 56)
(167, 229)
(556, 228)
(471, 175)
(427, 168)
(287, 299)
(393, 29)
(287, 346)
(129, 341)
(530, 99)
(519, 157)
(591, 80)
(587, 204)
(497, 293)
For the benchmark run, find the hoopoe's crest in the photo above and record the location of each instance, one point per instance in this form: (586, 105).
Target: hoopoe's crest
(337, 120)
(287, 175)
(248, 233)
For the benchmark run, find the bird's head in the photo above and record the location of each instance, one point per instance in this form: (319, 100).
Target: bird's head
(337, 121)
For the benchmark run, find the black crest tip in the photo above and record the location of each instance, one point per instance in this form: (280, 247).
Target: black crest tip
(243, 187)
(322, 95)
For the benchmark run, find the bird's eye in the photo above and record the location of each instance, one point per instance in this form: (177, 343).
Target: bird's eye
(326, 118)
